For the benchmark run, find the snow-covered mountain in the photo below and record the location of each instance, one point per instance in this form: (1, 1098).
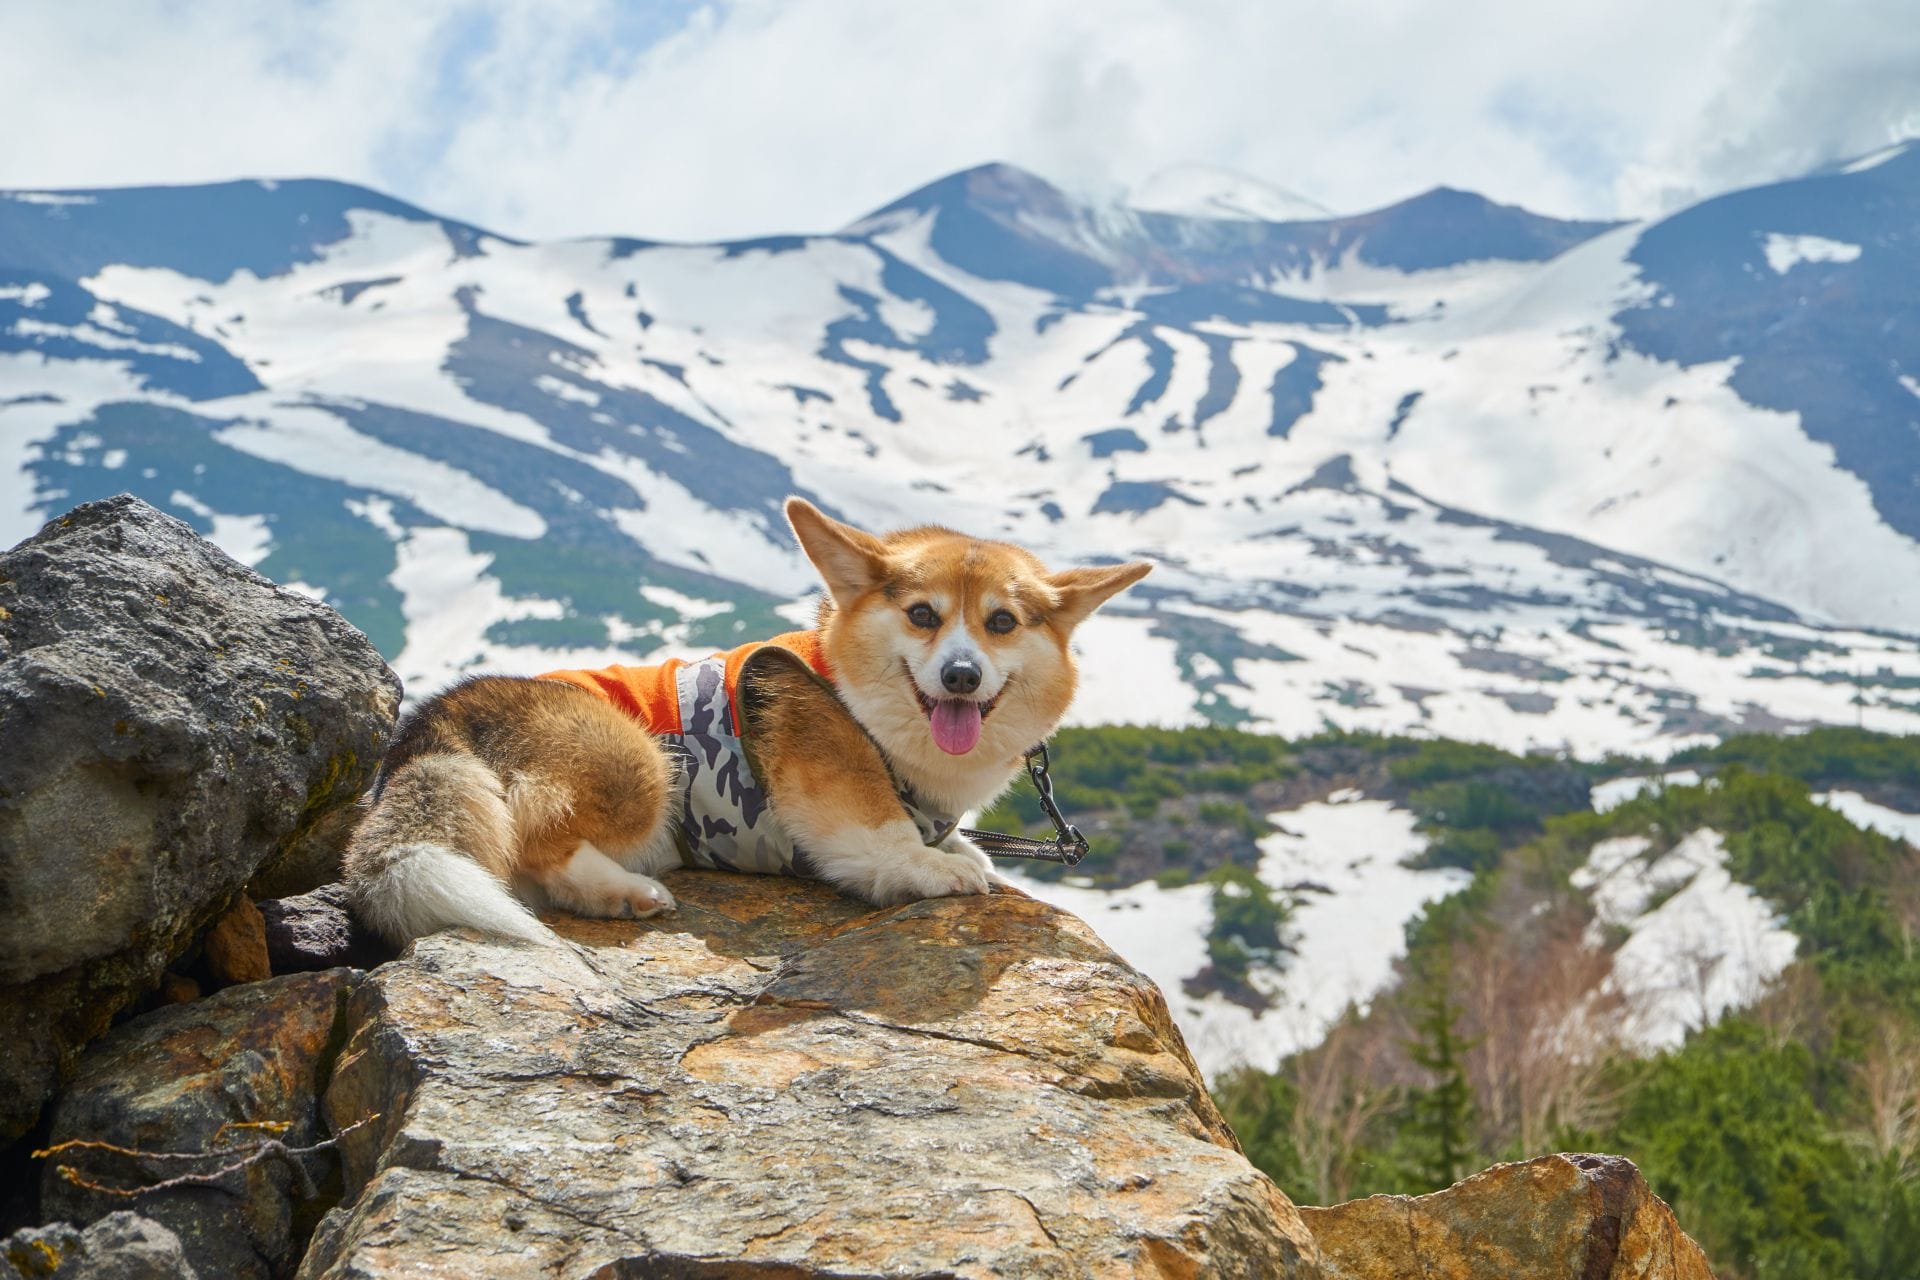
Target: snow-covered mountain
(1446, 466)
(1206, 191)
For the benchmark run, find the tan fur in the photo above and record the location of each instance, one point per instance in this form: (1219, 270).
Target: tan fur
(554, 791)
(518, 775)
(819, 762)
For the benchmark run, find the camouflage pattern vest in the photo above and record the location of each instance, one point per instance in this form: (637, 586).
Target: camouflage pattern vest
(725, 822)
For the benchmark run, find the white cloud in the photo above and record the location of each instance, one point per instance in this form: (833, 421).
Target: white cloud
(1788, 86)
(753, 116)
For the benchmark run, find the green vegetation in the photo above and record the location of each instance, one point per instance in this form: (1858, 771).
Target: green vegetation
(1439, 1114)
(573, 632)
(1821, 757)
(1473, 801)
(1127, 776)
(1786, 1136)
(595, 582)
(174, 452)
(1247, 924)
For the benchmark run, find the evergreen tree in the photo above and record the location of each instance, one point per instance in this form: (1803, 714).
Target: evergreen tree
(1441, 1114)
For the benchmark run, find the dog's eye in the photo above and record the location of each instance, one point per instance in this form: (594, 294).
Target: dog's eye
(922, 615)
(1000, 622)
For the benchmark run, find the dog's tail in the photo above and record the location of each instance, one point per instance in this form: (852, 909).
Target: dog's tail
(435, 853)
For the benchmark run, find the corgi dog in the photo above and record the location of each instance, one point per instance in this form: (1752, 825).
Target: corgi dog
(846, 753)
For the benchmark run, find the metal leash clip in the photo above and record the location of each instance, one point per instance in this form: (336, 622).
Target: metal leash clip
(1067, 848)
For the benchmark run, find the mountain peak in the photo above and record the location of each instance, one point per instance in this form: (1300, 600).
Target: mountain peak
(1209, 191)
(994, 185)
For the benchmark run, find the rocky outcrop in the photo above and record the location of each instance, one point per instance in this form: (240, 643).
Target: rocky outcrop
(218, 1076)
(173, 724)
(122, 1246)
(1584, 1217)
(775, 1081)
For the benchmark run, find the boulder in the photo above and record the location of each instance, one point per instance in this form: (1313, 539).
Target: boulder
(318, 931)
(215, 1076)
(1585, 1217)
(121, 1246)
(173, 723)
(776, 1081)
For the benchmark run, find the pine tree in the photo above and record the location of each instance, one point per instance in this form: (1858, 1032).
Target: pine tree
(1442, 1113)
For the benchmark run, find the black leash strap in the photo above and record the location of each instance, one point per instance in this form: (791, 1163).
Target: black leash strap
(1068, 847)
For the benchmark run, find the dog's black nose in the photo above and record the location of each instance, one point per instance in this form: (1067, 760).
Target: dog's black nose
(960, 676)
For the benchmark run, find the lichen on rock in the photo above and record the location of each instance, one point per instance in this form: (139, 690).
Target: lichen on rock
(121, 1246)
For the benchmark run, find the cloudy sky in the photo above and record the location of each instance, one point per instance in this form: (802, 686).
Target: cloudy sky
(663, 118)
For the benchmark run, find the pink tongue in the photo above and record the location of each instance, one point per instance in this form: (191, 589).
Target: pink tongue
(956, 725)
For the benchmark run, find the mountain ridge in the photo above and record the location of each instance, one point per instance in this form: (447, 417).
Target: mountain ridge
(522, 455)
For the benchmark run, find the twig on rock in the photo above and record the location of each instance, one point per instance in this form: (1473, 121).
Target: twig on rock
(248, 1157)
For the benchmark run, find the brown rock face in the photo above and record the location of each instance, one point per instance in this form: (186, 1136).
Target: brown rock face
(1581, 1217)
(236, 946)
(778, 1082)
(177, 1080)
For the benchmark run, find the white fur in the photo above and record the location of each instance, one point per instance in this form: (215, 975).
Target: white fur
(592, 884)
(423, 887)
(958, 643)
(889, 864)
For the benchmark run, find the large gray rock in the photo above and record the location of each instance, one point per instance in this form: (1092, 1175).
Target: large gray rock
(180, 1080)
(172, 722)
(775, 1081)
(124, 1246)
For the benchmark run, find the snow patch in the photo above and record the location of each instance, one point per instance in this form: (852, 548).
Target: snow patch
(244, 537)
(563, 390)
(685, 605)
(1348, 928)
(320, 444)
(1128, 675)
(448, 602)
(1615, 792)
(1709, 945)
(1206, 191)
(1874, 159)
(1785, 252)
(1864, 813)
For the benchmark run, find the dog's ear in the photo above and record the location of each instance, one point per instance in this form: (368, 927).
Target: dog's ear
(1082, 591)
(850, 561)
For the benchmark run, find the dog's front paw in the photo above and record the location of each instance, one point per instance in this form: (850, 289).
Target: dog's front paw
(921, 872)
